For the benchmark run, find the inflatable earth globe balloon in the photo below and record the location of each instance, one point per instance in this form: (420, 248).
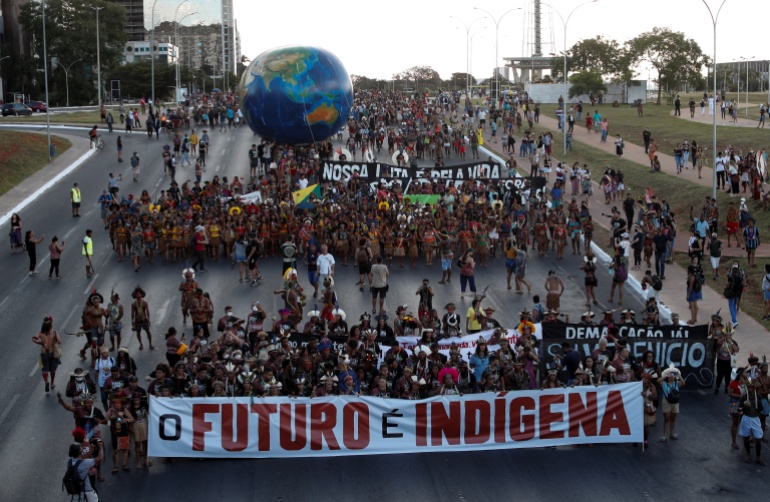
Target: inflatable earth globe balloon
(296, 94)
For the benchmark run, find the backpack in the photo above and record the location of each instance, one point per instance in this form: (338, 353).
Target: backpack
(657, 284)
(134, 161)
(673, 395)
(697, 285)
(71, 482)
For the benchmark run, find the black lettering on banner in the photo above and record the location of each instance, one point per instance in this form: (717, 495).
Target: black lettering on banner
(177, 427)
(686, 347)
(387, 425)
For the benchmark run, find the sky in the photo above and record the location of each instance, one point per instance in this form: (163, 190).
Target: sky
(379, 39)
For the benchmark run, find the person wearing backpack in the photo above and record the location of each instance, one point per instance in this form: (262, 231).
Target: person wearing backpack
(670, 382)
(734, 290)
(76, 480)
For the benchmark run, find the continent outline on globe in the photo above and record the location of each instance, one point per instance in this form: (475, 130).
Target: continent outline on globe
(296, 94)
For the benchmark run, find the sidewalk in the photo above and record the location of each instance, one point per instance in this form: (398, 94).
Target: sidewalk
(751, 335)
(726, 122)
(635, 153)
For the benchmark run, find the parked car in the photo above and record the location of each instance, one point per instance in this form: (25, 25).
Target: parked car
(37, 106)
(16, 109)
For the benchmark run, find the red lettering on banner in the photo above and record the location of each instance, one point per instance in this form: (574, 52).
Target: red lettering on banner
(323, 419)
(241, 427)
(421, 424)
(582, 414)
(297, 440)
(477, 416)
(445, 424)
(355, 414)
(263, 411)
(500, 406)
(547, 417)
(615, 415)
(517, 419)
(200, 425)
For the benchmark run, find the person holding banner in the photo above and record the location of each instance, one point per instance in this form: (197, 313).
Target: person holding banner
(650, 394)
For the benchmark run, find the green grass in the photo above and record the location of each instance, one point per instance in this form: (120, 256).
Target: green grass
(668, 130)
(22, 155)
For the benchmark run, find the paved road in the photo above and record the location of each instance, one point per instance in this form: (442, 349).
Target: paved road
(34, 430)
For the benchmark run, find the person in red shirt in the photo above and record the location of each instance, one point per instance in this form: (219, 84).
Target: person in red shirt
(735, 391)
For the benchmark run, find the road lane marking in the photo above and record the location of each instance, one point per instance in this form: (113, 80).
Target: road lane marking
(90, 284)
(2, 304)
(162, 312)
(9, 407)
(34, 370)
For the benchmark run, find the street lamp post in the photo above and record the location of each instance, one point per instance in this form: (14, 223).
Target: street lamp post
(564, 22)
(45, 75)
(470, 65)
(1, 78)
(467, 50)
(67, 79)
(497, 39)
(176, 45)
(714, 20)
(747, 81)
(98, 58)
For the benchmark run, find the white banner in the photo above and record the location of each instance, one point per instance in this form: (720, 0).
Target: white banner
(283, 427)
(466, 344)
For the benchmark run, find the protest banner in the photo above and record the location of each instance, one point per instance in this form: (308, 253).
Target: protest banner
(282, 427)
(684, 346)
(466, 344)
(373, 172)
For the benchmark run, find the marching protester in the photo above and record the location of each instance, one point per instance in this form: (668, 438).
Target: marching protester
(372, 221)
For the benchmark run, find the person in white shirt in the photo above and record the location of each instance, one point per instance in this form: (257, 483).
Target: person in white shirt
(625, 247)
(720, 166)
(325, 264)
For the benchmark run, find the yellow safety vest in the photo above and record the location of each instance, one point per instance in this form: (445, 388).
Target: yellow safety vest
(88, 246)
(75, 195)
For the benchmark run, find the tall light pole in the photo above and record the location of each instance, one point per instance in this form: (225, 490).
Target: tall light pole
(497, 39)
(1, 80)
(45, 75)
(467, 50)
(67, 79)
(564, 22)
(747, 81)
(98, 57)
(470, 66)
(224, 63)
(714, 20)
(176, 44)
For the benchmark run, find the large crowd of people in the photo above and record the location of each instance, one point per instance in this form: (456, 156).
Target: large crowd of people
(372, 226)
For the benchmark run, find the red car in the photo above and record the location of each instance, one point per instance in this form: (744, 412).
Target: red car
(37, 106)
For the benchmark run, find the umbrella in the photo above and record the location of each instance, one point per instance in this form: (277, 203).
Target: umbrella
(216, 89)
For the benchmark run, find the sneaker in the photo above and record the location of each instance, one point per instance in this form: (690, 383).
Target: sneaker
(735, 325)
(674, 436)
(663, 439)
